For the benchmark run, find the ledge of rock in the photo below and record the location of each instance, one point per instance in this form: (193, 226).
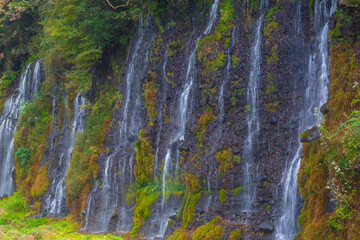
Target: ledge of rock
(266, 227)
(310, 134)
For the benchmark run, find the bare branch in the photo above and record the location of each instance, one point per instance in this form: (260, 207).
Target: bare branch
(119, 6)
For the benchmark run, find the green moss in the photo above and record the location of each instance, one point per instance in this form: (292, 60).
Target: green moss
(179, 234)
(209, 231)
(237, 159)
(237, 191)
(192, 196)
(188, 213)
(272, 11)
(235, 61)
(270, 88)
(311, 4)
(222, 195)
(235, 235)
(205, 120)
(273, 57)
(303, 136)
(224, 160)
(174, 46)
(272, 106)
(225, 21)
(145, 198)
(209, 54)
(268, 207)
(144, 168)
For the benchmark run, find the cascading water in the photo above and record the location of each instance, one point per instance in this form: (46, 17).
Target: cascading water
(56, 201)
(26, 91)
(160, 112)
(317, 81)
(220, 117)
(252, 119)
(185, 97)
(112, 212)
(158, 226)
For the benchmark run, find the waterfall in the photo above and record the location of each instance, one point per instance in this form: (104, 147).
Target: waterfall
(56, 201)
(183, 110)
(316, 94)
(252, 119)
(160, 112)
(106, 207)
(26, 91)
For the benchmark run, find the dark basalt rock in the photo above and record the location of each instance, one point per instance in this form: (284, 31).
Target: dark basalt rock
(273, 120)
(183, 147)
(4, 196)
(133, 138)
(237, 150)
(324, 109)
(268, 228)
(310, 134)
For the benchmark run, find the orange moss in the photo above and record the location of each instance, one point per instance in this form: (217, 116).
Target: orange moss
(150, 92)
(41, 183)
(205, 120)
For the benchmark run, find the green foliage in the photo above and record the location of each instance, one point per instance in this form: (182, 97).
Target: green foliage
(222, 195)
(30, 143)
(254, 4)
(76, 31)
(18, 222)
(12, 209)
(7, 79)
(18, 25)
(22, 155)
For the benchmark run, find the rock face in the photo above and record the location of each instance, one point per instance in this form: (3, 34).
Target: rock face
(310, 134)
(206, 123)
(324, 109)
